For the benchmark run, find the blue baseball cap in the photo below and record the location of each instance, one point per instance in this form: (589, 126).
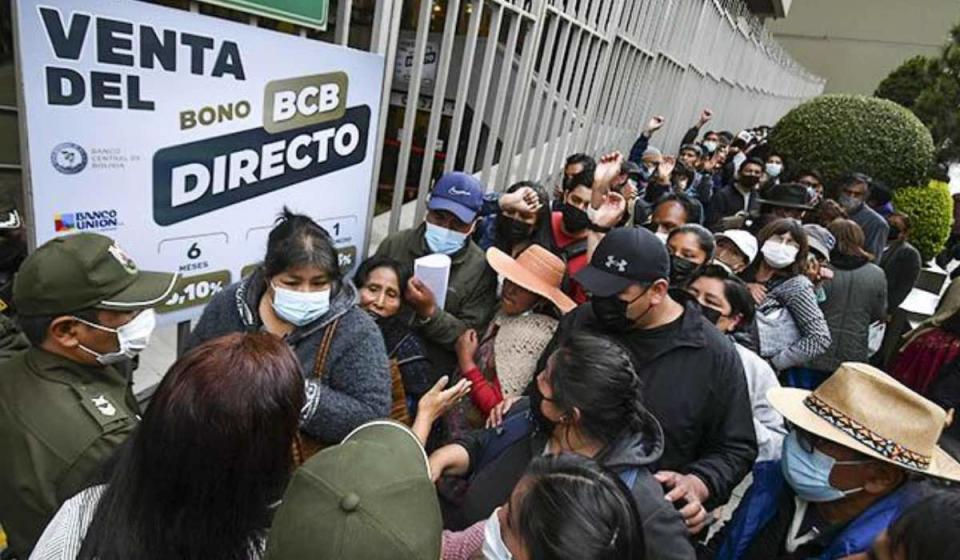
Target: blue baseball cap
(458, 193)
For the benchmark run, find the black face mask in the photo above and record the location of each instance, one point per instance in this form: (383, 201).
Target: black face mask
(748, 181)
(516, 230)
(611, 312)
(894, 233)
(710, 314)
(543, 424)
(681, 270)
(574, 219)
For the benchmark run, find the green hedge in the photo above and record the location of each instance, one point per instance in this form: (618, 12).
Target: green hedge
(838, 134)
(931, 211)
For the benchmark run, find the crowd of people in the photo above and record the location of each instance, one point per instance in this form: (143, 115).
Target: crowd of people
(667, 357)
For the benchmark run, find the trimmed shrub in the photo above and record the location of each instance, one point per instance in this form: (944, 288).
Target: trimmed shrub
(838, 134)
(931, 212)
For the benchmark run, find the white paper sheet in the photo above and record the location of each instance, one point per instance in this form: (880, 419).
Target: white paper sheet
(434, 271)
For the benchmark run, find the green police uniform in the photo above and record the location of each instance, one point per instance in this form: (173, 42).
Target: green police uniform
(60, 420)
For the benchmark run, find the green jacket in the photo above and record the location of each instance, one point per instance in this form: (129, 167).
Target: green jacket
(12, 341)
(59, 422)
(471, 292)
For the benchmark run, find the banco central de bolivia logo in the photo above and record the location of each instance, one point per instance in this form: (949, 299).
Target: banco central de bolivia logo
(92, 220)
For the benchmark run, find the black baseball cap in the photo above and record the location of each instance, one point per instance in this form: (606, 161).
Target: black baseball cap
(625, 256)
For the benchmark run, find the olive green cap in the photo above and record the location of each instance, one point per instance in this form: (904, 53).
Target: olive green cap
(83, 271)
(370, 497)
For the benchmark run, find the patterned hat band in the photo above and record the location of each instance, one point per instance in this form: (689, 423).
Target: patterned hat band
(888, 448)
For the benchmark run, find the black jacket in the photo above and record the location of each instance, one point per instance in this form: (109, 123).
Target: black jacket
(901, 264)
(664, 531)
(726, 202)
(695, 386)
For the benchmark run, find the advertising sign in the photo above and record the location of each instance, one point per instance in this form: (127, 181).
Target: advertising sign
(183, 136)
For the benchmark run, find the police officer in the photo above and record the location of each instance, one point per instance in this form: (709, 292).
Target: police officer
(66, 403)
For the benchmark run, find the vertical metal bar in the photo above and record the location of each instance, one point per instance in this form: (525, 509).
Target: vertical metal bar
(386, 40)
(524, 79)
(537, 106)
(553, 99)
(436, 110)
(564, 105)
(493, 130)
(410, 111)
(466, 67)
(344, 9)
(483, 90)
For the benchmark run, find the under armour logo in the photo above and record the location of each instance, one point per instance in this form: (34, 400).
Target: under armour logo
(458, 192)
(104, 406)
(612, 262)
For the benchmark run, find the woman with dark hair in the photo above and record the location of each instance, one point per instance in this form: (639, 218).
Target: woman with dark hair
(856, 297)
(299, 294)
(790, 325)
(565, 506)
(587, 401)
(200, 475)
(691, 246)
(380, 282)
(515, 226)
(726, 302)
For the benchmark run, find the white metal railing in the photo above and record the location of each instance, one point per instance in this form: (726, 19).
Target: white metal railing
(584, 75)
(546, 78)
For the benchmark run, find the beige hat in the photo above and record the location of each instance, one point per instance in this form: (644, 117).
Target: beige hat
(864, 409)
(535, 269)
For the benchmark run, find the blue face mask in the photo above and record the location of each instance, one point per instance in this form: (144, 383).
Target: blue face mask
(300, 308)
(808, 473)
(443, 240)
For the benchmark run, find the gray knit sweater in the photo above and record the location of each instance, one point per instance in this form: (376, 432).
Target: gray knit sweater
(354, 386)
(797, 296)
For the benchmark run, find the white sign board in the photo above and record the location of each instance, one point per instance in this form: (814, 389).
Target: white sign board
(183, 136)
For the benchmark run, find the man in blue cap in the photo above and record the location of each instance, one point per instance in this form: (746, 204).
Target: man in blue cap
(452, 212)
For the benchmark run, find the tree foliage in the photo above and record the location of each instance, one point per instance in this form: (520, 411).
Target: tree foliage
(937, 103)
(838, 134)
(905, 84)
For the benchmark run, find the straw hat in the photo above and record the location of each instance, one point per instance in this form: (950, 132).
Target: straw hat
(536, 270)
(864, 409)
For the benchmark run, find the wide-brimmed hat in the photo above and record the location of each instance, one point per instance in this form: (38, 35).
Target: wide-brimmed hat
(864, 409)
(787, 195)
(535, 269)
(370, 497)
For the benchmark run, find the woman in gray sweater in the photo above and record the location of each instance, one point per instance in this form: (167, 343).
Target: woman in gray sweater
(299, 295)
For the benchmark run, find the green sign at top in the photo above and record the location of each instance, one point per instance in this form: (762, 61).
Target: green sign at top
(308, 13)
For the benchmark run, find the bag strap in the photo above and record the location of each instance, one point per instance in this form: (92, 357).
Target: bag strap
(320, 362)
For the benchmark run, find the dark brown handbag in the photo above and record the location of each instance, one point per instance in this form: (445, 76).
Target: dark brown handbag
(305, 445)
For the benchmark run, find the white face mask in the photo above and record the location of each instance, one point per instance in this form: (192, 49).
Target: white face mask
(300, 308)
(662, 236)
(774, 169)
(777, 254)
(132, 338)
(493, 547)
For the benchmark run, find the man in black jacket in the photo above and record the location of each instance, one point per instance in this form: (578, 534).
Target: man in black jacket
(693, 379)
